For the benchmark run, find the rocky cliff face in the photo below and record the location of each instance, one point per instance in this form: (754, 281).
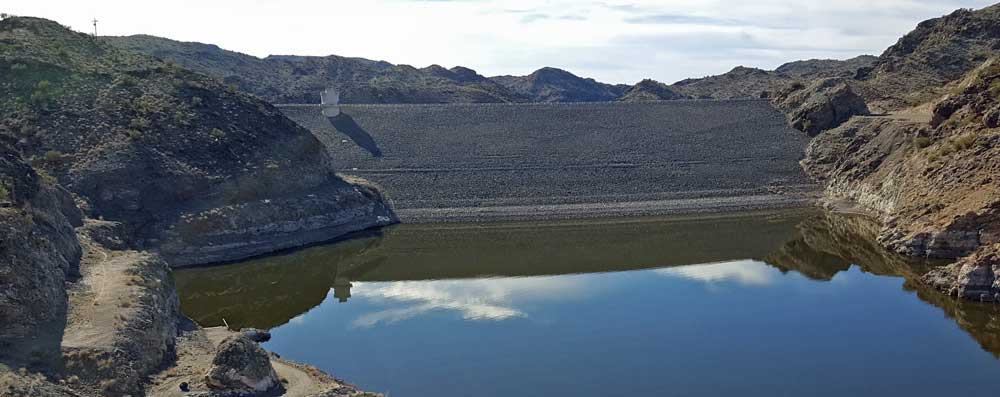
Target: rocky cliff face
(159, 148)
(933, 183)
(822, 105)
(39, 252)
(976, 277)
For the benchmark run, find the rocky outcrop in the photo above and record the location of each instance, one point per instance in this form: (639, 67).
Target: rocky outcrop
(243, 230)
(819, 106)
(170, 153)
(934, 185)
(39, 252)
(975, 277)
(241, 367)
(650, 90)
(940, 50)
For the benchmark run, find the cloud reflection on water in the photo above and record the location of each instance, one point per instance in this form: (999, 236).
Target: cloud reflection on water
(487, 299)
(746, 272)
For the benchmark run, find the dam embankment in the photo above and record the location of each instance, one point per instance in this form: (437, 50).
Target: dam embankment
(472, 162)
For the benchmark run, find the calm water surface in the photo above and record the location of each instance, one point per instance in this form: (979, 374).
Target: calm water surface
(762, 304)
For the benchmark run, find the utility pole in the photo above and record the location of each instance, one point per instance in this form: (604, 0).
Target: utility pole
(95, 27)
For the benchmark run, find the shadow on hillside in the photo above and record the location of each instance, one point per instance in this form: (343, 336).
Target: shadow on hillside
(347, 126)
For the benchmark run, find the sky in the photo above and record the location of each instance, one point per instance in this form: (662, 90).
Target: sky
(611, 41)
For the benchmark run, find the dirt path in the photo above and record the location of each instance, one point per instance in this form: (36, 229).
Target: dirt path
(100, 302)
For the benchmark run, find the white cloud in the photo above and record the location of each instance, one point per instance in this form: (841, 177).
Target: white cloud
(614, 41)
(745, 272)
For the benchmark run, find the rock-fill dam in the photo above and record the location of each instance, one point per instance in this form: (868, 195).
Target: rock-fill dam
(465, 162)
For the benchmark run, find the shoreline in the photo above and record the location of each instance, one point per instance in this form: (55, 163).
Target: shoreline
(627, 209)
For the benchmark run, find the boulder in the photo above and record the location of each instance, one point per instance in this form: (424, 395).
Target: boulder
(975, 277)
(820, 106)
(256, 335)
(241, 366)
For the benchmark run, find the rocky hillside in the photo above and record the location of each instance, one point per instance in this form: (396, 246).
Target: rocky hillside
(39, 252)
(825, 68)
(744, 82)
(556, 85)
(299, 79)
(176, 156)
(651, 90)
(933, 183)
(937, 52)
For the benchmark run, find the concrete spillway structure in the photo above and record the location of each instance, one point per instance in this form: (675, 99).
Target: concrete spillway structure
(526, 161)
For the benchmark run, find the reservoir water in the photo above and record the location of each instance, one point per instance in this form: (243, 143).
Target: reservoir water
(761, 304)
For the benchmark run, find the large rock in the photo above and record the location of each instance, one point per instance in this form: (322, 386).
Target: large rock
(242, 366)
(975, 277)
(821, 105)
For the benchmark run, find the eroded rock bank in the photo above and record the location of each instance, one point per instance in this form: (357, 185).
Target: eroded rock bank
(929, 173)
(162, 167)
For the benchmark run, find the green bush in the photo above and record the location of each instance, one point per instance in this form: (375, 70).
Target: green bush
(217, 134)
(4, 193)
(138, 123)
(134, 135)
(53, 157)
(46, 177)
(921, 142)
(43, 95)
(125, 80)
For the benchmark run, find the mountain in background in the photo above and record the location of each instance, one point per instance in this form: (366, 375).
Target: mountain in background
(299, 79)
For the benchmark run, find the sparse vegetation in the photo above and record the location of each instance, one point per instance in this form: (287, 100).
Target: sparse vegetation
(4, 192)
(921, 142)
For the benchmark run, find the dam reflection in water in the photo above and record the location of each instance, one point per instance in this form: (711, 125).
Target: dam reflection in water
(777, 303)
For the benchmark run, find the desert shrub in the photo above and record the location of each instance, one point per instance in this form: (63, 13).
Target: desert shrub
(964, 141)
(46, 177)
(53, 157)
(138, 123)
(27, 131)
(134, 135)
(125, 80)
(921, 142)
(217, 134)
(148, 104)
(42, 95)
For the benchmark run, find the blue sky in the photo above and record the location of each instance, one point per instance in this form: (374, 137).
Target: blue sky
(612, 41)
